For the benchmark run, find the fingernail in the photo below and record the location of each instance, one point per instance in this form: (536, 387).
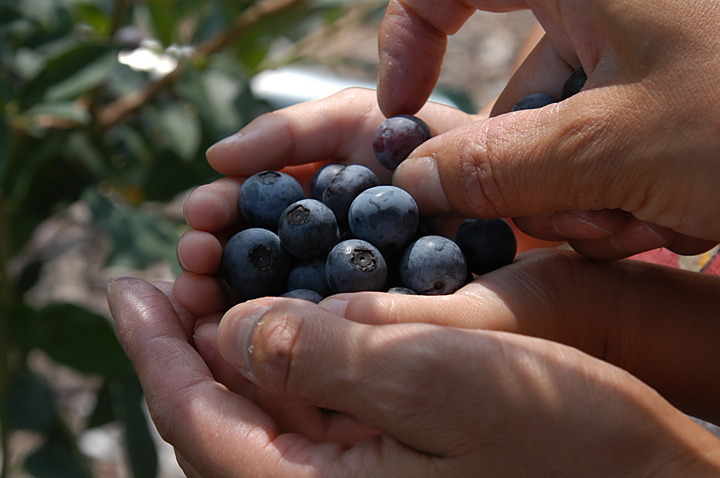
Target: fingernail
(334, 305)
(421, 178)
(204, 337)
(225, 143)
(253, 317)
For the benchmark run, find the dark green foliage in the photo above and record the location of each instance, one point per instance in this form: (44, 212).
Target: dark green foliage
(77, 124)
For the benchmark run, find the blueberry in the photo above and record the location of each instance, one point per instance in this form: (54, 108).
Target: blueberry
(310, 274)
(488, 244)
(385, 216)
(345, 186)
(305, 294)
(401, 290)
(307, 228)
(322, 178)
(397, 137)
(254, 263)
(536, 100)
(355, 265)
(264, 196)
(574, 83)
(433, 265)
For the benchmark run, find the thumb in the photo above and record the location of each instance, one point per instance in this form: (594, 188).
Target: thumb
(596, 150)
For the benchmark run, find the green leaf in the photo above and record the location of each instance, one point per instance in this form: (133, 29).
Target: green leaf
(4, 150)
(104, 411)
(138, 440)
(79, 338)
(63, 110)
(70, 74)
(30, 404)
(181, 124)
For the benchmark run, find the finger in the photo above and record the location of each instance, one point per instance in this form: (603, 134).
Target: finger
(199, 252)
(201, 294)
(214, 207)
(412, 42)
(566, 156)
(600, 308)
(402, 376)
(189, 408)
(312, 131)
(187, 318)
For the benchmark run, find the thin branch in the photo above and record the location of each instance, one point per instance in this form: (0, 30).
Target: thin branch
(129, 104)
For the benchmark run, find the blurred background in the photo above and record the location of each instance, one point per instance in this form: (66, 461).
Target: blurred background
(107, 109)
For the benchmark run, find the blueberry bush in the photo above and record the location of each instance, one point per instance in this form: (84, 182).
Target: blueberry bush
(113, 103)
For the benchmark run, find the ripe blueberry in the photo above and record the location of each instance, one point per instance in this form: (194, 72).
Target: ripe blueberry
(355, 265)
(385, 216)
(488, 244)
(322, 178)
(307, 228)
(536, 100)
(264, 196)
(345, 186)
(574, 83)
(254, 263)
(397, 137)
(310, 274)
(433, 265)
(305, 294)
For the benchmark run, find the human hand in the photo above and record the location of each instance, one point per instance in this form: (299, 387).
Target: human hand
(605, 168)
(297, 140)
(389, 400)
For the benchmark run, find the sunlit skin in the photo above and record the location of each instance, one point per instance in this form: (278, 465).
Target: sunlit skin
(555, 365)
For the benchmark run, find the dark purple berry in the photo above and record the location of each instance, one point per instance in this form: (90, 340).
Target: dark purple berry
(433, 265)
(264, 196)
(322, 178)
(488, 244)
(355, 265)
(345, 186)
(574, 83)
(401, 290)
(310, 274)
(254, 263)
(536, 100)
(397, 137)
(305, 294)
(385, 216)
(307, 228)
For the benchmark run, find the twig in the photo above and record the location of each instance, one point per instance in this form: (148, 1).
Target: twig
(129, 104)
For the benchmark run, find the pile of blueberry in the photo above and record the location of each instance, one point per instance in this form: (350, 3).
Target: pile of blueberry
(354, 234)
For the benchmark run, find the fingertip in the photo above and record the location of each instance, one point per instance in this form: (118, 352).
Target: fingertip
(213, 207)
(200, 294)
(420, 176)
(199, 252)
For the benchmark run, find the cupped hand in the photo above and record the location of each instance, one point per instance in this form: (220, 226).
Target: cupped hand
(298, 140)
(397, 399)
(628, 164)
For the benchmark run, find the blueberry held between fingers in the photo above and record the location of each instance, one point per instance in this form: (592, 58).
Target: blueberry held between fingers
(433, 265)
(488, 244)
(254, 263)
(307, 228)
(265, 195)
(385, 216)
(536, 100)
(355, 265)
(397, 137)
